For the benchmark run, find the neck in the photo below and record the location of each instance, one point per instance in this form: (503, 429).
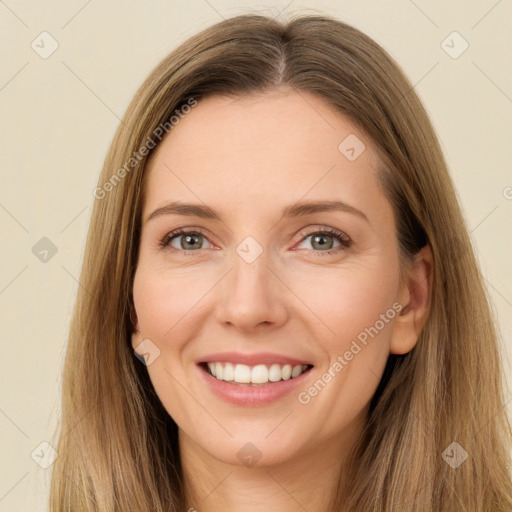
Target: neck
(308, 481)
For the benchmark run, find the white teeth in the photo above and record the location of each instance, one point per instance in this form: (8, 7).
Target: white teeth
(274, 373)
(286, 371)
(296, 371)
(259, 374)
(242, 373)
(229, 372)
(218, 370)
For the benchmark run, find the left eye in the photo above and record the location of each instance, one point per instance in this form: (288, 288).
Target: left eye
(319, 238)
(191, 240)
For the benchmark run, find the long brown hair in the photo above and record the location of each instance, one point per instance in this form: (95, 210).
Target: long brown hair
(118, 447)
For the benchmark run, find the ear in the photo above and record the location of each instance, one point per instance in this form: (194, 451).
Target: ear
(136, 337)
(414, 297)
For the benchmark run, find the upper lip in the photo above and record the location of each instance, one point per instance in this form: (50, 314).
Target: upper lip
(251, 359)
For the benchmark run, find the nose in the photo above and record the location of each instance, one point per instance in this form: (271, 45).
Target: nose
(252, 294)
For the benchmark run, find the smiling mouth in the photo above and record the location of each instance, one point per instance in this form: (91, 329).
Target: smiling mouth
(258, 375)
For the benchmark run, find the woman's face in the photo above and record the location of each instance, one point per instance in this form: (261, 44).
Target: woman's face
(289, 262)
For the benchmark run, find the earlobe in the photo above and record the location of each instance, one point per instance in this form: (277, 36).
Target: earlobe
(414, 298)
(136, 335)
(136, 339)
(134, 320)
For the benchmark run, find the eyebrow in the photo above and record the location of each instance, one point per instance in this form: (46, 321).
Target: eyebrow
(294, 210)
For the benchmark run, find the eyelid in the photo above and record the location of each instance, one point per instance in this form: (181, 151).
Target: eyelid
(344, 239)
(181, 232)
(334, 232)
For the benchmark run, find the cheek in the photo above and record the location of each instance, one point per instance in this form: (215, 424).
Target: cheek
(349, 300)
(355, 307)
(162, 302)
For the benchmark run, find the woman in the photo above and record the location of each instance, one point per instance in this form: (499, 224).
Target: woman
(281, 305)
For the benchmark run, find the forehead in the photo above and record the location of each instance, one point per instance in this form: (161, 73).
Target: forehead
(282, 145)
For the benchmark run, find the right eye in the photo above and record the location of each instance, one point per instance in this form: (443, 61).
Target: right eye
(190, 240)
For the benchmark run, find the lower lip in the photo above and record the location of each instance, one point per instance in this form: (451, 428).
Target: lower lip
(252, 396)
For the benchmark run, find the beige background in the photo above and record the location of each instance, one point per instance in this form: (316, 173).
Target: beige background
(59, 115)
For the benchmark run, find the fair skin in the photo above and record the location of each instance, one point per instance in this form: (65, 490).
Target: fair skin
(248, 158)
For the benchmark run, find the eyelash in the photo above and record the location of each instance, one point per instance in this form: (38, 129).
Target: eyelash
(344, 239)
